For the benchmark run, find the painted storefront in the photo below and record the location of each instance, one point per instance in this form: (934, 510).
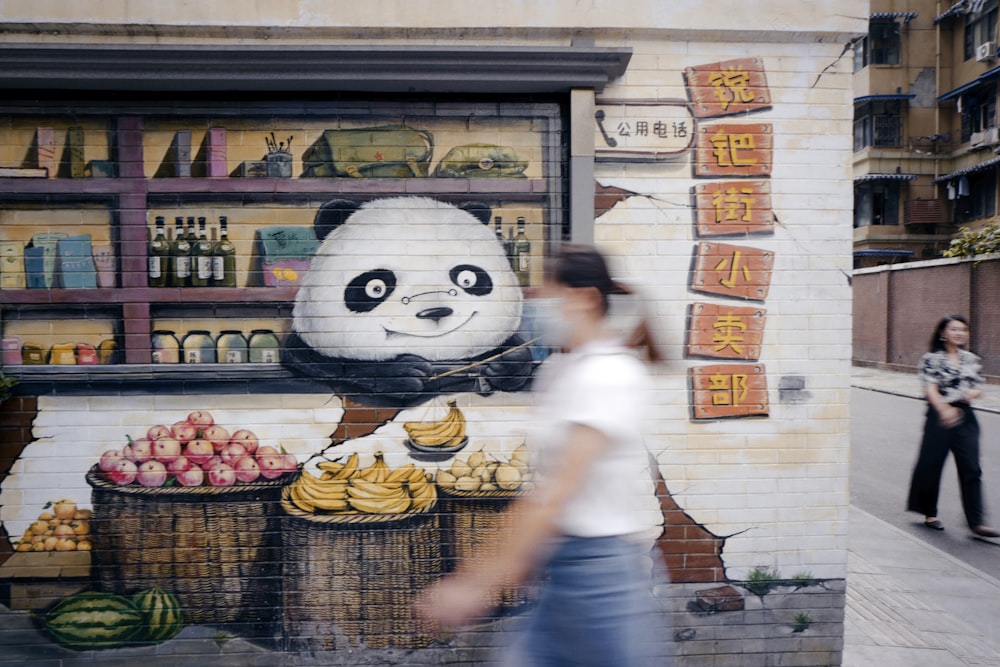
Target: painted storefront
(279, 441)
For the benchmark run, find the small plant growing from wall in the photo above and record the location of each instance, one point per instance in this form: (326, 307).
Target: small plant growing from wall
(6, 385)
(761, 580)
(801, 622)
(803, 580)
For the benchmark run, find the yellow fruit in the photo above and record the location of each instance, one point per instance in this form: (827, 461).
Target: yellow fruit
(64, 509)
(84, 515)
(84, 545)
(39, 527)
(468, 483)
(23, 546)
(461, 468)
(46, 516)
(63, 531)
(476, 459)
(507, 477)
(445, 479)
(66, 544)
(488, 486)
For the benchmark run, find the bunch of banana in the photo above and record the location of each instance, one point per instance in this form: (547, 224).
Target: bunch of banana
(477, 474)
(342, 487)
(448, 432)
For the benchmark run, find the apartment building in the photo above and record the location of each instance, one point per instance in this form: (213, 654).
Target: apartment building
(926, 142)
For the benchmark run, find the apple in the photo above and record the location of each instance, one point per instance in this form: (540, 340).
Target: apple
(222, 474)
(273, 466)
(179, 464)
(193, 476)
(157, 431)
(291, 463)
(199, 451)
(232, 452)
(246, 469)
(109, 460)
(211, 463)
(166, 450)
(124, 472)
(217, 435)
(141, 450)
(184, 431)
(152, 473)
(201, 418)
(246, 438)
(267, 450)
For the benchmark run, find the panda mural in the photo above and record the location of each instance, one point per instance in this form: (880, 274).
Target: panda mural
(406, 299)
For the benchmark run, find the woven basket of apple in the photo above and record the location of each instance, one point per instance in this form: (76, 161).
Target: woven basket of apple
(193, 508)
(359, 541)
(474, 492)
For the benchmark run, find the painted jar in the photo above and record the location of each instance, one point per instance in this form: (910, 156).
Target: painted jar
(166, 349)
(232, 347)
(198, 347)
(264, 347)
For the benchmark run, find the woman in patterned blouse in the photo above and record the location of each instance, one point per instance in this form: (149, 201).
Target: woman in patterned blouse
(950, 375)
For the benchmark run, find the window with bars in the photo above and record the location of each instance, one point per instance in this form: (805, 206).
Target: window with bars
(881, 46)
(980, 28)
(878, 124)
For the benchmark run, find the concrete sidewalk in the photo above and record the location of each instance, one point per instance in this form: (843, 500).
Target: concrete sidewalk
(910, 604)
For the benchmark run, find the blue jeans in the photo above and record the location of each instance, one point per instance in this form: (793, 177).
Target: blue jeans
(595, 609)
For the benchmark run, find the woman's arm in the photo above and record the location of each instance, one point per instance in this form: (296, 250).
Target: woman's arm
(948, 414)
(458, 598)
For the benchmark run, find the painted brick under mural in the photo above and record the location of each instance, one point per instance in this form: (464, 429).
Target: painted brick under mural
(274, 361)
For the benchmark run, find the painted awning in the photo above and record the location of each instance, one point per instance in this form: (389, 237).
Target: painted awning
(985, 77)
(885, 177)
(960, 8)
(906, 17)
(992, 162)
(883, 96)
(883, 252)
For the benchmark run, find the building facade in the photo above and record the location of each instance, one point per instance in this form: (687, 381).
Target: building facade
(924, 127)
(213, 215)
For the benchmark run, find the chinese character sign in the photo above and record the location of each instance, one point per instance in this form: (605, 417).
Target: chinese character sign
(728, 87)
(725, 332)
(640, 131)
(729, 390)
(734, 149)
(735, 271)
(734, 207)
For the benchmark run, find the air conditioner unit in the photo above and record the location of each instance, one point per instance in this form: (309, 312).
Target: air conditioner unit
(991, 136)
(976, 139)
(986, 51)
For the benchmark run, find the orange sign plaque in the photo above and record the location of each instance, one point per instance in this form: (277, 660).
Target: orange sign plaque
(725, 332)
(737, 271)
(729, 390)
(727, 87)
(734, 150)
(733, 207)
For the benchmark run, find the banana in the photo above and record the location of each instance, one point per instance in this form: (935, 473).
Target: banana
(400, 474)
(360, 488)
(322, 488)
(381, 505)
(349, 467)
(423, 497)
(298, 499)
(447, 432)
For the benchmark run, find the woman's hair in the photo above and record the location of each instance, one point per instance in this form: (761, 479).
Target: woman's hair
(937, 345)
(577, 265)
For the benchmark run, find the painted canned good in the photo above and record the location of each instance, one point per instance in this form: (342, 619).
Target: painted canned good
(63, 354)
(232, 347)
(107, 352)
(198, 347)
(86, 354)
(11, 351)
(32, 355)
(264, 347)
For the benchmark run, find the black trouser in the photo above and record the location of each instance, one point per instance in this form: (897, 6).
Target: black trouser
(963, 442)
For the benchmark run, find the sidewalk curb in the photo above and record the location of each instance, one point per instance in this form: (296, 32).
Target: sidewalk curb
(857, 384)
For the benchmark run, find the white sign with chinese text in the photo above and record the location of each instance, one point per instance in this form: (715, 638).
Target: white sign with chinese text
(642, 131)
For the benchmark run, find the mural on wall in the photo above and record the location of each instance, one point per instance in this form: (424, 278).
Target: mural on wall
(255, 511)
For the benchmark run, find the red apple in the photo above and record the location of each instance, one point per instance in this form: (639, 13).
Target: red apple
(222, 474)
(291, 463)
(141, 450)
(152, 473)
(158, 431)
(267, 450)
(232, 452)
(179, 464)
(246, 469)
(201, 418)
(273, 466)
(246, 438)
(193, 476)
(184, 431)
(124, 472)
(199, 451)
(109, 460)
(211, 463)
(166, 450)
(218, 436)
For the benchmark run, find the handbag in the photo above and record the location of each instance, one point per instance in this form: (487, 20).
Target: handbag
(481, 161)
(389, 151)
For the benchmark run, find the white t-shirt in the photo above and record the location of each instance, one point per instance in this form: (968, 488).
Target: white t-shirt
(605, 387)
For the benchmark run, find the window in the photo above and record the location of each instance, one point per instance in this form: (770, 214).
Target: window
(979, 111)
(980, 28)
(878, 123)
(881, 46)
(981, 202)
(876, 203)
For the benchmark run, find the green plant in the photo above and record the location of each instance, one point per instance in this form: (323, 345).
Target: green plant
(803, 579)
(801, 622)
(6, 384)
(972, 242)
(761, 580)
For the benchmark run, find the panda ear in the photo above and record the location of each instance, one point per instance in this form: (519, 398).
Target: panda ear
(333, 214)
(478, 210)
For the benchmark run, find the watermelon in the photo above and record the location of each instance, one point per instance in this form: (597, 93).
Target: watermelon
(87, 621)
(162, 616)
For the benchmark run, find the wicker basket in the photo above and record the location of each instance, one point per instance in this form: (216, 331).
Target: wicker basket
(350, 580)
(216, 548)
(471, 522)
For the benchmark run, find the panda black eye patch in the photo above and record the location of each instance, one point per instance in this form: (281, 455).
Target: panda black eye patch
(369, 289)
(472, 279)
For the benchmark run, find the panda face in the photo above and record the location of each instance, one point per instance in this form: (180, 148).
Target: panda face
(408, 276)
